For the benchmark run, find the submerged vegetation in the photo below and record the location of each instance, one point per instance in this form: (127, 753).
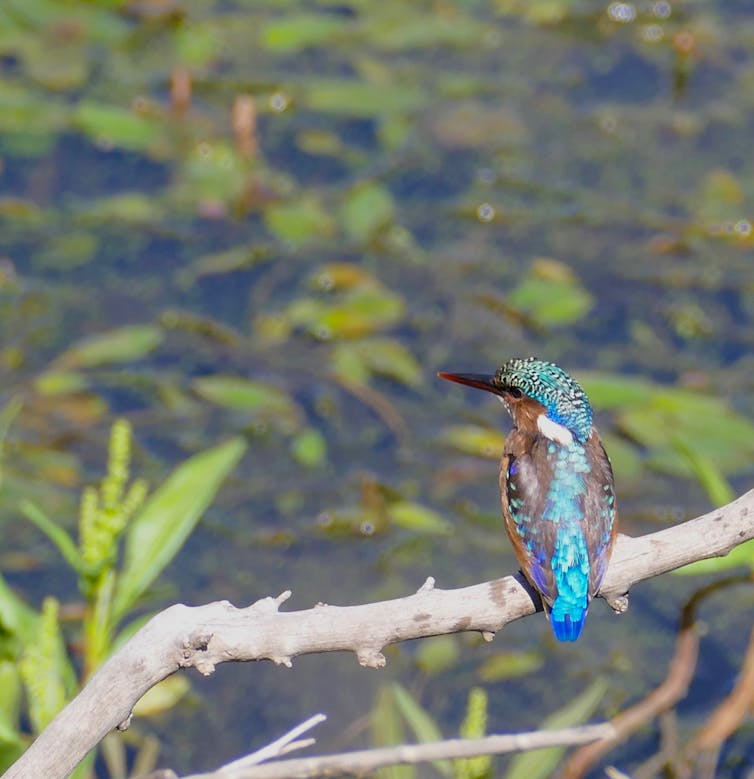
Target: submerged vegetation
(273, 222)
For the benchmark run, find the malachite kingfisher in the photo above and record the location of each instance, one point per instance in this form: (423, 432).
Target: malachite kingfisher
(556, 484)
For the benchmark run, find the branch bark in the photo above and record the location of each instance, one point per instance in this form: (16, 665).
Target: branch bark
(203, 636)
(364, 761)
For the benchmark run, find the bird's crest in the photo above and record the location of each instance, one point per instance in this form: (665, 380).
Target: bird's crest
(564, 400)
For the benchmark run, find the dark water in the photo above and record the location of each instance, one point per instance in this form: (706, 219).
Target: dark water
(434, 186)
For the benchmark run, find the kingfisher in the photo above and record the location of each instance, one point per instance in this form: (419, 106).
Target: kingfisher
(556, 486)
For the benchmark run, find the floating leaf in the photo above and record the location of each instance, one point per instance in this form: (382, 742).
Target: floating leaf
(218, 263)
(418, 518)
(607, 390)
(695, 419)
(446, 28)
(366, 209)
(309, 447)
(197, 44)
(721, 197)
(299, 31)
(215, 173)
(117, 126)
(551, 295)
(356, 362)
(155, 536)
(299, 221)
(68, 251)
(473, 439)
(362, 99)
(508, 665)
(437, 654)
(540, 763)
(358, 312)
(125, 344)
(60, 383)
(235, 392)
(131, 208)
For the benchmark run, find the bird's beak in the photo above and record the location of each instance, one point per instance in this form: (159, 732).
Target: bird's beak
(478, 380)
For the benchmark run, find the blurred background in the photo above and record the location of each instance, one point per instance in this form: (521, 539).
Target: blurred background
(278, 219)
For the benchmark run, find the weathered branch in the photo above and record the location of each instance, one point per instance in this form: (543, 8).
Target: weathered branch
(364, 761)
(182, 636)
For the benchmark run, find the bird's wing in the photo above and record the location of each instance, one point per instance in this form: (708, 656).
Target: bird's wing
(523, 488)
(599, 506)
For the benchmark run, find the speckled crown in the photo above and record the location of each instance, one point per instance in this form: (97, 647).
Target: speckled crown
(564, 400)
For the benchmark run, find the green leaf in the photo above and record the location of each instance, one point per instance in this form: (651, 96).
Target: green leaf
(124, 344)
(607, 390)
(358, 312)
(387, 730)
(437, 654)
(299, 31)
(707, 473)
(10, 703)
(60, 383)
(117, 126)
(540, 763)
(474, 725)
(366, 209)
(130, 208)
(413, 30)
(309, 447)
(163, 696)
(255, 397)
(696, 419)
(156, 535)
(17, 620)
(551, 295)
(197, 43)
(299, 221)
(476, 440)
(65, 544)
(508, 665)
(355, 362)
(418, 518)
(740, 557)
(362, 99)
(624, 457)
(214, 173)
(44, 668)
(424, 728)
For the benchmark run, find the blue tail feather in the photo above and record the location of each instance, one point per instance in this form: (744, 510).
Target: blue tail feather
(567, 619)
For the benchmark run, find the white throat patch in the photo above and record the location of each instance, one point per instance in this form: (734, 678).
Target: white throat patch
(554, 431)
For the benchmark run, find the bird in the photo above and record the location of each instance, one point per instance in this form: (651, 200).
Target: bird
(556, 485)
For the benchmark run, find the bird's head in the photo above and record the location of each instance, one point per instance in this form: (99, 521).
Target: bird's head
(537, 394)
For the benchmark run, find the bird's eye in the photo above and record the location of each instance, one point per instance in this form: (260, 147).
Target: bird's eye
(516, 393)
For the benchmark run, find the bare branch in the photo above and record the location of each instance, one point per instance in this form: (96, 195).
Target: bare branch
(281, 746)
(366, 760)
(203, 636)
